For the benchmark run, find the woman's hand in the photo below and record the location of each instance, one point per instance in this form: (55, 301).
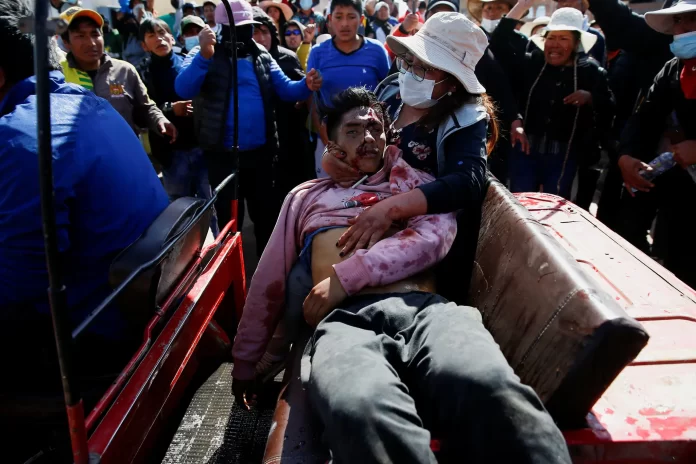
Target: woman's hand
(322, 299)
(517, 135)
(578, 98)
(366, 229)
(370, 226)
(341, 172)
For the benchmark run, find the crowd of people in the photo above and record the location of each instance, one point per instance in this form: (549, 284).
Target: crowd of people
(402, 108)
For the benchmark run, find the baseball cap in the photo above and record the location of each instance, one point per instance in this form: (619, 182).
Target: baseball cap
(191, 20)
(75, 12)
(242, 13)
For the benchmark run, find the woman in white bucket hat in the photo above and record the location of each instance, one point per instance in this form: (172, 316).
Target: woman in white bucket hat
(442, 117)
(562, 94)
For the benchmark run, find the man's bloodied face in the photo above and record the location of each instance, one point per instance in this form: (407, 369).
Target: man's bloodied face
(361, 135)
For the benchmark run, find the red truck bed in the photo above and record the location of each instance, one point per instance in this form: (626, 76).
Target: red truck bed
(648, 414)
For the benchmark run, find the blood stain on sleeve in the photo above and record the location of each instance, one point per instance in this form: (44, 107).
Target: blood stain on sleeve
(406, 233)
(383, 266)
(398, 173)
(275, 291)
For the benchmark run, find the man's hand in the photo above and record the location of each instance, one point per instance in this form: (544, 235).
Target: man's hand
(242, 392)
(685, 153)
(308, 35)
(167, 128)
(333, 163)
(517, 135)
(182, 108)
(323, 298)
(207, 41)
(410, 24)
(314, 80)
(578, 98)
(630, 171)
(366, 229)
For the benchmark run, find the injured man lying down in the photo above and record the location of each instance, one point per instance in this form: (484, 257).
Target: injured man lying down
(392, 363)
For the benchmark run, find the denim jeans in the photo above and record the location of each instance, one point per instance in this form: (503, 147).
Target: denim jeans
(388, 370)
(528, 172)
(187, 176)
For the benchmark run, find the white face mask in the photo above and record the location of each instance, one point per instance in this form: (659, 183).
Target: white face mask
(417, 94)
(490, 24)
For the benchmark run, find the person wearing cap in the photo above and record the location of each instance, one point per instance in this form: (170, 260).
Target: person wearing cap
(348, 60)
(492, 76)
(105, 195)
(279, 11)
(295, 161)
(535, 27)
(298, 39)
(209, 16)
(114, 80)
(442, 116)
(205, 78)
(599, 50)
(390, 360)
(380, 23)
(191, 26)
(306, 15)
(489, 12)
(564, 96)
(672, 98)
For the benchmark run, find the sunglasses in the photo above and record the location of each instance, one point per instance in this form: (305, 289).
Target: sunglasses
(288, 33)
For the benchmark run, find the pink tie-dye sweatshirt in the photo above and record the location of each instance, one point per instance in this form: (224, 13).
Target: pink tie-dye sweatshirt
(321, 203)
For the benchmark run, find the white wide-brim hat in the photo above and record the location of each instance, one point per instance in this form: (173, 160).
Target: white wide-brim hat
(449, 42)
(287, 11)
(528, 28)
(663, 21)
(567, 19)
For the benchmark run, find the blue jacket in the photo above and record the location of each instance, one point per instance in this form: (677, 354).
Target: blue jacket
(106, 194)
(252, 121)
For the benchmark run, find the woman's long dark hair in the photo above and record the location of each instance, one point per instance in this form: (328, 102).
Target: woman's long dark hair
(451, 103)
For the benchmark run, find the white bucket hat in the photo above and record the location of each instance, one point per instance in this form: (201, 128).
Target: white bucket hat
(567, 19)
(529, 27)
(663, 21)
(450, 42)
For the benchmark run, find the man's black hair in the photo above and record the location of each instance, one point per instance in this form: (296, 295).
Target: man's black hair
(150, 25)
(17, 50)
(209, 3)
(354, 97)
(357, 4)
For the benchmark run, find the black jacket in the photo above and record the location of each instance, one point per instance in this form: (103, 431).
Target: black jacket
(547, 114)
(627, 31)
(665, 103)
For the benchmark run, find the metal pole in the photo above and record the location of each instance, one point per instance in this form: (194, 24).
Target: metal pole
(56, 290)
(231, 46)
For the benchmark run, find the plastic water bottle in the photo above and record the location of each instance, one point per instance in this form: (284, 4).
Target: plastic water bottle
(662, 164)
